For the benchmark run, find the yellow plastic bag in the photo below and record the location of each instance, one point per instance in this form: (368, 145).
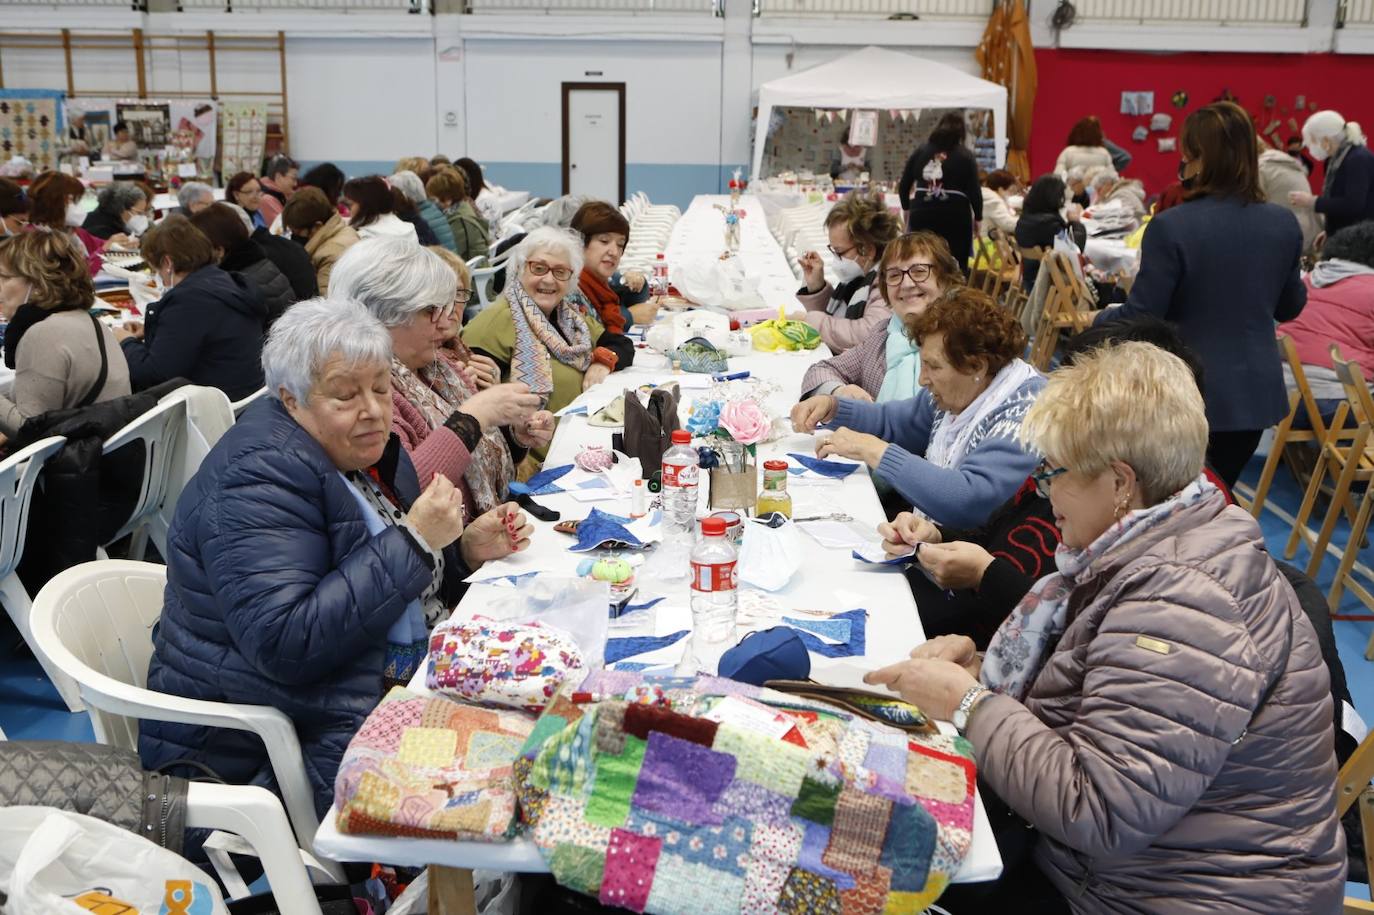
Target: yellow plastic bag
(780, 333)
(1133, 240)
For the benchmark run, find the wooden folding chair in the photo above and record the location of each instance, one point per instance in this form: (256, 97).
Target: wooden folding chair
(1068, 306)
(1284, 433)
(1352, 787)
(984, 269)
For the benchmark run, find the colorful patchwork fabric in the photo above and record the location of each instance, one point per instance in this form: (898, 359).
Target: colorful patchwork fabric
(645, 791)
(515, 665)
(427, 767)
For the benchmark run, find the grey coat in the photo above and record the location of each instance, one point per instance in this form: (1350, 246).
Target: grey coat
(1194, 772)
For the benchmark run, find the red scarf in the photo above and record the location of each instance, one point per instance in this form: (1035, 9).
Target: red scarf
(603, 299)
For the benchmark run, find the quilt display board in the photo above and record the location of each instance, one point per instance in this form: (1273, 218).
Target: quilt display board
(245, 135)
(189, 128)
(31, 126)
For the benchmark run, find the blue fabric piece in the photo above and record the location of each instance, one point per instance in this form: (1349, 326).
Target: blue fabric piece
(773, 654)
(835, 630)
(904, 560)
(600, 528)
(908, 847)
(632, 608)
(542, 483)
(619, 649)
(835, 469)
(854, 646)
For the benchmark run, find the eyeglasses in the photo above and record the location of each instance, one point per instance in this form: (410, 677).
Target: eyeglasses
(539, 268)
(833, 251)
(918, 273)
(462, 297)
(1043, 474)
(439, 313)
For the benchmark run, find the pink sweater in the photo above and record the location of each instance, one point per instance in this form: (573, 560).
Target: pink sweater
(839, 332)
(432, 449)
(1342, 313)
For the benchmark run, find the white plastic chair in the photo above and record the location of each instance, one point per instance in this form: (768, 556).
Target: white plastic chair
(159, 430)
(94, 622)
(208, 416)
(239, 406)
(18, 475)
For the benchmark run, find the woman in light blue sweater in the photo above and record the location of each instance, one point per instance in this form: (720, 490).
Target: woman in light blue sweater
(951, 450)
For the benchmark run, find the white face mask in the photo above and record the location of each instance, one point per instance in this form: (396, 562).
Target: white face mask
(137, 224)
(75, 215)
(1318, 152)
(846, 270)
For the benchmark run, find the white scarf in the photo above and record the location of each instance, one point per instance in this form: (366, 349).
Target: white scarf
(951, 439)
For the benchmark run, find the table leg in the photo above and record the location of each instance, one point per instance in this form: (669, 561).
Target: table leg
(450, 891)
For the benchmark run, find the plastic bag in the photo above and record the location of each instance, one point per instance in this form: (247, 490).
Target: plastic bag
(58, 863)
(716, 283)
(780, 333)
(576, 605)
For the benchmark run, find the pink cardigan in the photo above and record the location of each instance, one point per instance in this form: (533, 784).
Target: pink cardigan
(1341, 313)
(839, 332)
(432, 449)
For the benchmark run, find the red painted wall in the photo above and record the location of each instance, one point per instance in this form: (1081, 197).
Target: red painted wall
(1075, 83)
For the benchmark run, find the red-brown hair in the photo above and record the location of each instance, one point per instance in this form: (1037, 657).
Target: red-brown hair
(974, 327)
(1087, 132)
(48, 199)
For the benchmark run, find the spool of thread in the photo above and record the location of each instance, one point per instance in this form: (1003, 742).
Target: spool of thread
(639, 500)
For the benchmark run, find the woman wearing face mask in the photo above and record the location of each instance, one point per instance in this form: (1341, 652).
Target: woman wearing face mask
(1224, 267)
(55, 203)
(915, 270)
(951, 450)
(120, 209)
(14, 208)
(859, 227)
(208, 325)
(1347, 195)
(62, 357)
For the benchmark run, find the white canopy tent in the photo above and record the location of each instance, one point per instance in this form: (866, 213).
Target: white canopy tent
(876, 78)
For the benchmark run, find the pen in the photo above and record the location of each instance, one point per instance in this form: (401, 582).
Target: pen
(733, 376)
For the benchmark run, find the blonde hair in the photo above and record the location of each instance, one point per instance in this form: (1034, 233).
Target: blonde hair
(1130, 402)
(53, 265)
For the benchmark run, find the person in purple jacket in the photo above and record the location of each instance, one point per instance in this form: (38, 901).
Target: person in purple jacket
(950, 451)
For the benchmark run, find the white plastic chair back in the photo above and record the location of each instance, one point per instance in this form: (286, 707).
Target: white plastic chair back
(94, 622)
(159, 430)
(208, 416)
(18, 476)
(239, 406)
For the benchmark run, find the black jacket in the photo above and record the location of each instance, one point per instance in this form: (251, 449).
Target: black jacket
(249, 259)
(1038, 230)
(291, 260)
(423, 233)
(1348, 196)
(102, 224)
(85, 497)
(960, 174)
(207, 329)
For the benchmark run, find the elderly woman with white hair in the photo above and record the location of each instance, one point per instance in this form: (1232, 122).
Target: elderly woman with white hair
(193, 197)
(1347, 195)
(1162, 693)
(413, 189)
(306, 559)
(121, 212)
(538, 333)
(1105, 186)
(475, 439)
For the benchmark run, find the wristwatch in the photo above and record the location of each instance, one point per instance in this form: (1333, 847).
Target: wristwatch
(966, 704)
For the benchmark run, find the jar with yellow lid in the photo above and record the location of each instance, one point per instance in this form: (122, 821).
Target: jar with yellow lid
(775, 497)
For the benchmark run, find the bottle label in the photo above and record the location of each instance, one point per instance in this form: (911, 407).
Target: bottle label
(775, 480)
(678, 475)
(714, 576)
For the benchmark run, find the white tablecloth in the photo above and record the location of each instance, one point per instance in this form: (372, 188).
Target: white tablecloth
(828, 579)
(1111, 255)
(700, 235)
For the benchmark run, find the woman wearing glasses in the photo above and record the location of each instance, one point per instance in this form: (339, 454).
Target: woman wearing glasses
(1156, 708)
(950, 451)
(914, 271)
(443, 425)
(536, 335)
(860, 229)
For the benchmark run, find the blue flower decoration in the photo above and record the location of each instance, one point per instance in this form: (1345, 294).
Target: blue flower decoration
(708, 458)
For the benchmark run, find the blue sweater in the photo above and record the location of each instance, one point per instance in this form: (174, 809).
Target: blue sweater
(1350, 198)
(1224, 271)
(961, 496)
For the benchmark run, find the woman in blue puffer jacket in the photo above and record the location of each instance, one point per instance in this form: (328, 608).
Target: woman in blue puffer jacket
(305, 564)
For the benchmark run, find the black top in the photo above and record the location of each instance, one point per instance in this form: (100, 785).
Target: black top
(102, 224)
(291, 260)
(960, 174)
(1348, 194)
(248, 258)
(423, 232)
(854, 307)
(1038, 230)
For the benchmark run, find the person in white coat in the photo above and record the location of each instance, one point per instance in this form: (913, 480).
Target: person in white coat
(998, 213)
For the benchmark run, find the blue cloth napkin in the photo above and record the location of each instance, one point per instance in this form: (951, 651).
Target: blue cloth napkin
(620, 649)
(904, 560)
(854, 645)
(542, 483)
(601, 527)
(835, 469)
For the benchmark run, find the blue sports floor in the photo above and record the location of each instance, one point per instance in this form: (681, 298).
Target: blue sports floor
(31, 710)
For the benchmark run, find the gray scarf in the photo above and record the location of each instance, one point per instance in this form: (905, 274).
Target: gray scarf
(1330, 272)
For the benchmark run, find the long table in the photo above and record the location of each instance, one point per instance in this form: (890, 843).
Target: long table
(827, 579)
(700, 235)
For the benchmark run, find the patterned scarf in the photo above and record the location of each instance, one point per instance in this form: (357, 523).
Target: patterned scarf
(536, 339)
(1022, 644)
(952, 435)
(436, 391)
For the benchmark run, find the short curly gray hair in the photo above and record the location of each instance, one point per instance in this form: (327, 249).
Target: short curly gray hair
(118, 197)
(393, 277)
(310, 333)
(545, 239)
(409, 184)
(193, 191)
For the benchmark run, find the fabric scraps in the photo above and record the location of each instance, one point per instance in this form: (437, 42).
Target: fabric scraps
(619, 649)
(542, 483)
(833, 469)
(518, 665)
(812, 632)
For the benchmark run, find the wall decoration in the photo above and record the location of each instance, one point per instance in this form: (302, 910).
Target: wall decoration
(245, 134)
(1137, 102)
(1168, 144)
(31, 126)
(1161, 122)
(1140, 133)
(1180, 99)
(149, 123)
(863, 128)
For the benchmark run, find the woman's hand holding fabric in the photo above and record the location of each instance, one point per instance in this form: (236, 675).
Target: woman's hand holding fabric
(437, 515)
(955, 565)
(933, 686)
(857, 446)
(813, 271)
(509, 404)
(537, 431)
(813, 411)
(957, 649)
(498, 533)
(905, 531)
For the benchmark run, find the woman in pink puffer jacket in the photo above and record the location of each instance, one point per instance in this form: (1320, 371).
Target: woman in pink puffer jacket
(1158, 709)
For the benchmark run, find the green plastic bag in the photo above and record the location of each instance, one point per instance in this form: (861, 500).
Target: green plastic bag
(780, 333)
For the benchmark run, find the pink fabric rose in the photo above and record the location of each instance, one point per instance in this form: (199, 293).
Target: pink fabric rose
(746, 422)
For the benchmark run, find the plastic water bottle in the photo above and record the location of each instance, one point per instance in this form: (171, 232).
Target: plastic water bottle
(659, 284)
(681, 471)
(714, 596)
